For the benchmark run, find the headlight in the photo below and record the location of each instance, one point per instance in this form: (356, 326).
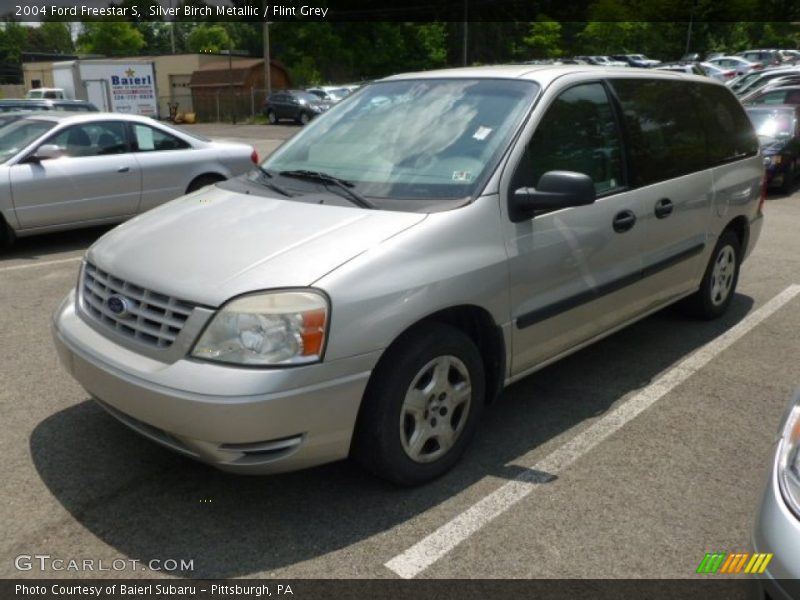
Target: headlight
(789, 459)
(775, 159)
(271, 328)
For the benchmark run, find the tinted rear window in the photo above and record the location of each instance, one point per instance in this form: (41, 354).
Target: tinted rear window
(729, 132)
(665, 136)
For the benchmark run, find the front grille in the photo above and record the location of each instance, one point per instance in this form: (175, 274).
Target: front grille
(152, 318)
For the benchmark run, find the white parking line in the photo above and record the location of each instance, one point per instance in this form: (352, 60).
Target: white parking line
(40, 264)
(427, 551)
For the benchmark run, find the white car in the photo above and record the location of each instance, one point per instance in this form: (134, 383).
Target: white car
(736, 63)
(606, 61)
(716, 72)
(67, 170)
(46, 93)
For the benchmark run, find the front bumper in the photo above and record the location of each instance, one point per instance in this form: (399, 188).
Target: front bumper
(776, 174)
(777, 530)
(754, 234)
(245, 420)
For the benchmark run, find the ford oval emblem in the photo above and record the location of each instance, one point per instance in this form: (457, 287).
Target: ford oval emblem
(119, 305)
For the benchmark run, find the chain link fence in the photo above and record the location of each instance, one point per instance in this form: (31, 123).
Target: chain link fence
(218, 104)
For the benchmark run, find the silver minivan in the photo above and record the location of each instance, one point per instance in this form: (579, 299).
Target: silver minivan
(431, 239)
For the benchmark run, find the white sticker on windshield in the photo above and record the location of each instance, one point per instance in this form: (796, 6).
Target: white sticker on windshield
(482, 133)
(462, 175)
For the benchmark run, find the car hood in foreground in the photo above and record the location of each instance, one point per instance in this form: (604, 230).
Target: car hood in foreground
(215, 244)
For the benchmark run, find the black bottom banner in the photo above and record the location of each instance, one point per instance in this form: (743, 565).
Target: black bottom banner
(440, 589)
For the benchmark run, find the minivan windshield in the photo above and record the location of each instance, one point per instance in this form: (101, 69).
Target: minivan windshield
(17, 135)
(410, 139)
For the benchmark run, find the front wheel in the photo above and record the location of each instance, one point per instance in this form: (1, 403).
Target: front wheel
(421, 407)
(272, 117)
(719, 280)
(304, 118)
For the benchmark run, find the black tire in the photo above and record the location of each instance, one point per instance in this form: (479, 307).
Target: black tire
(7, 236)
(386, 429)
(719, 280)
(789, 177)
(202, 181)
(303, 118)
(272, 117)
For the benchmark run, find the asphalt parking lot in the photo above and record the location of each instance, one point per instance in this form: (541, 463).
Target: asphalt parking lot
(631, 458)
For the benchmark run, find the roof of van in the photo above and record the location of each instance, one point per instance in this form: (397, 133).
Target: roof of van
(546, 74)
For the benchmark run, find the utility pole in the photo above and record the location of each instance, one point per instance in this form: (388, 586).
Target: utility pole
(267, 67)
(230, 78)
(466, 32)
(172, 30)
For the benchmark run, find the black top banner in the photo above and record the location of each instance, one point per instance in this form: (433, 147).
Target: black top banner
(400, 10)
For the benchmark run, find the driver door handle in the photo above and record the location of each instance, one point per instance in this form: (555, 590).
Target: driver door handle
(624, 221)
(123, 169)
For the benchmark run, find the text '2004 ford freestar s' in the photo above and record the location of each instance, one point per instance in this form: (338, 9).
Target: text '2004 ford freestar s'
(430, 239)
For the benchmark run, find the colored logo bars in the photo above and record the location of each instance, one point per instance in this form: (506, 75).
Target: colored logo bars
(722, 562)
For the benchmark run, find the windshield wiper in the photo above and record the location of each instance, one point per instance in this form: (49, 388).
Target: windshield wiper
(271, 185)
(342, 184)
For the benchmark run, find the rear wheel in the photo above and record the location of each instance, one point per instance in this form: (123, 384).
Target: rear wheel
(421, 407)
(272, 117)
(7, 236)
(202, 181)
(719, 280)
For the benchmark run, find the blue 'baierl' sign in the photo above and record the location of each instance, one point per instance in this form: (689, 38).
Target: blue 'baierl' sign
(133, 90)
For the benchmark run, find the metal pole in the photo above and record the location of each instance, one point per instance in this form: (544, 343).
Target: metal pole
(689, 35)
(172, 28)
(230, 78)
(466, 33)
(267, 65)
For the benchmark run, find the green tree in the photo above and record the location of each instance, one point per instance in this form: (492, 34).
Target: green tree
(13, 38)
(544, 38)
(50, 36)
(110, 38)
(208, 38)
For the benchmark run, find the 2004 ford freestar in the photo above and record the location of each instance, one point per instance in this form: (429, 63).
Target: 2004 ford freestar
(430, 239)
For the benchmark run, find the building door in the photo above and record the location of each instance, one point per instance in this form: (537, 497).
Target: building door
(180, 92)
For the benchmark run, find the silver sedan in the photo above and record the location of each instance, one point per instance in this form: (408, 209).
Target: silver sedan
(65, 171)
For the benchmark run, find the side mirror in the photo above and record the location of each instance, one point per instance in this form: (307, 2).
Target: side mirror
(555, 190)
(47, 152)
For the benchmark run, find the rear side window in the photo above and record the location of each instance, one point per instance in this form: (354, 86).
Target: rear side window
(665, 136)
(729, 132)
(148, 139)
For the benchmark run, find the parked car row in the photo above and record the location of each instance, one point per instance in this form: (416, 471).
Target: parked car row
(700, 68)
(742, 62)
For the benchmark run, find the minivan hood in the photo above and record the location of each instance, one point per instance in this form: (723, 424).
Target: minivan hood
(215, 244)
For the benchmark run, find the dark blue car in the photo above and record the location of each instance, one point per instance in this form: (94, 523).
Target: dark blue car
(778, 129)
